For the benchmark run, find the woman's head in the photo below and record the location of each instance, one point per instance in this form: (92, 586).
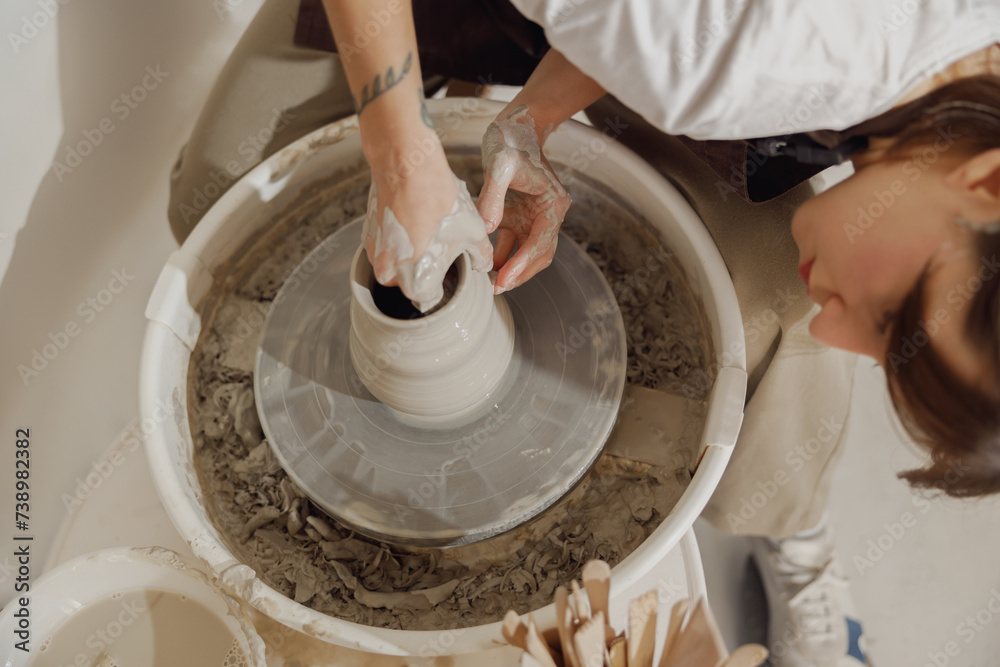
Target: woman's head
(901, 260)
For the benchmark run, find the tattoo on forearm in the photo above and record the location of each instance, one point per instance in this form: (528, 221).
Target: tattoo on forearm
(368, 94)
(424, 113)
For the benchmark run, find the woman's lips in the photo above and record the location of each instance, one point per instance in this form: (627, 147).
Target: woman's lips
(804, 271)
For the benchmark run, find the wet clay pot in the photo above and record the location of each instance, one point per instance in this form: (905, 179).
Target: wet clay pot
(438, 369)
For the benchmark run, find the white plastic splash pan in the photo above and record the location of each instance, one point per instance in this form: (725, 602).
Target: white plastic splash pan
(174, 326)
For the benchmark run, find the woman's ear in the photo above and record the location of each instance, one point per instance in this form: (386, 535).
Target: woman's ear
(979, 178)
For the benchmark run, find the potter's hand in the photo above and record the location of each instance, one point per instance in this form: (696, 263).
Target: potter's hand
(420, 217)
(522, 199)
(412, 235)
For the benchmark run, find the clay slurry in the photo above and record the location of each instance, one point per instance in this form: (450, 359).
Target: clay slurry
(142, 627)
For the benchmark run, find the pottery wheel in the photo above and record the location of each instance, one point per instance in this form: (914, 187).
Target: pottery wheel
(393, 481)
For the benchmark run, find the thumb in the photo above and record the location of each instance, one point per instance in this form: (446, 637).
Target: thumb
(499, 174)
(482, 255)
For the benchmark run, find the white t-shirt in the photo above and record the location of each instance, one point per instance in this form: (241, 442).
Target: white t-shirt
(738, 69)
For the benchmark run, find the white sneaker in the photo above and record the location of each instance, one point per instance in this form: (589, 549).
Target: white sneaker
(812, 620)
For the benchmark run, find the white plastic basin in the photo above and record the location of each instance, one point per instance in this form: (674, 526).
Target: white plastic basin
(174, 326)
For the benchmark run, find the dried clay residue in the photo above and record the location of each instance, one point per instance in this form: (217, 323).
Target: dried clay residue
(270, 525)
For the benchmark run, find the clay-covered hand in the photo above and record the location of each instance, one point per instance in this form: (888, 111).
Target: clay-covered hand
(416, 253)
(521, 199)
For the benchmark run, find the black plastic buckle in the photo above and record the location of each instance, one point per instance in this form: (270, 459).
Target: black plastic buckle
(806, 150)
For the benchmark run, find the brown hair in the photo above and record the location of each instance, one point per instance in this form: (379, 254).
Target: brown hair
(957, 423)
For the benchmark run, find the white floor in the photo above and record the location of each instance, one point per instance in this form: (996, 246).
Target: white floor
(64, 235)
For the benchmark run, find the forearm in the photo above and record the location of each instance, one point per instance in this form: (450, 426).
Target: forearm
(383, 73)
(555, 91)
